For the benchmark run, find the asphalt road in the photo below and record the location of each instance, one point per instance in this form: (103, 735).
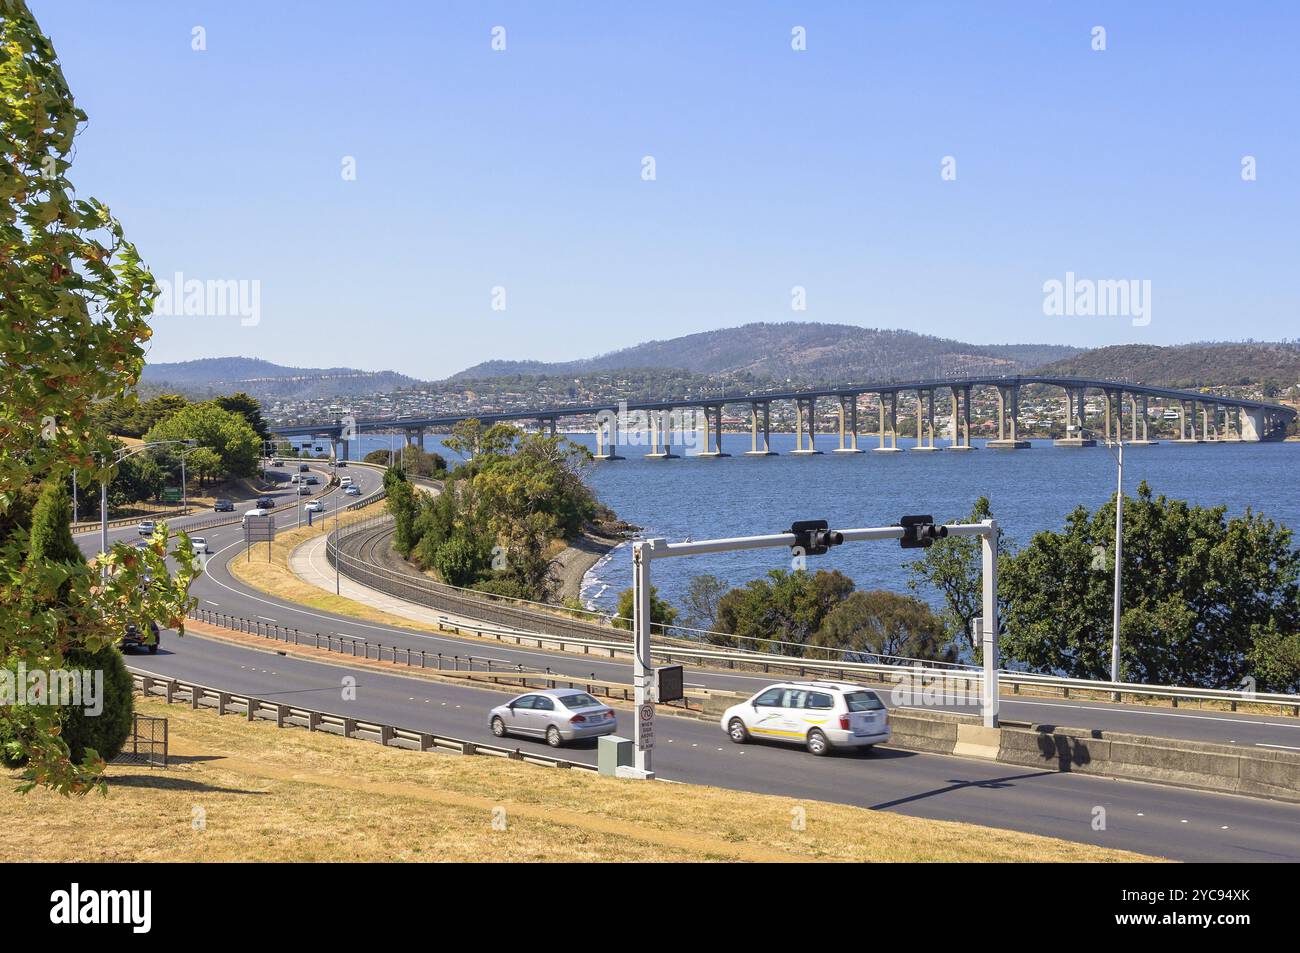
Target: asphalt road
(1152, 819)
(1148, 818)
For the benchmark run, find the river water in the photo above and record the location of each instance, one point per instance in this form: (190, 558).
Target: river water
(1030, 491)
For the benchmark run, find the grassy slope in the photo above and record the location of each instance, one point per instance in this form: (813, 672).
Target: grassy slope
(284, 794)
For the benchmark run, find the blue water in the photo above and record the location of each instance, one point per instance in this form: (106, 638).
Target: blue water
(1030, 490)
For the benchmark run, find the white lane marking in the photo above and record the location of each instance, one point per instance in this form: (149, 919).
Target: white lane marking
(266, 618)
(1260, 744)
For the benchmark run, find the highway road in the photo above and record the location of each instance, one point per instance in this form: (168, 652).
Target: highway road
(1148, 818)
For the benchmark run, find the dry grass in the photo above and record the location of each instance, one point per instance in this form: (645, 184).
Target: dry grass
(286, 794)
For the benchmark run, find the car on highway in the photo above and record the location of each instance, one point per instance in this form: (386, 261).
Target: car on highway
(277, 462)
(200, 544)
(223, 506)
(303, 468)
(345, 481)
(557, 715)
(341, 463)
(135, 640)
(304, 490)
(311, 480)
(821, 716)
(314, 506)
(265, 502)
(352, 490)
(146, 527)
(255, 511)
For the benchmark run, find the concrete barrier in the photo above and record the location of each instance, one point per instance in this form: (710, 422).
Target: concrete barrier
(917, 729)
(1201, 765)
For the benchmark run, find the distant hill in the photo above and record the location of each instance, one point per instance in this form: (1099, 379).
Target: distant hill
(263, 379)
(1266, 365)
(806, 353)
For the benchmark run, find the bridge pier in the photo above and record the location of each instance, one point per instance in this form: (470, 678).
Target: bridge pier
(712, 432)
(1008, 420)
(414, 436)
(805, 417)
(888, 422)
(849, 418)
(959, 425)
(1075, 417)
(1139, 432)
(1187, 432)
(660, 433)
(754, 449)
(925, 420)
(607, 422)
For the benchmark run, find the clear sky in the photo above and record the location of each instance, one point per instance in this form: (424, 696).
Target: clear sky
(774, 168)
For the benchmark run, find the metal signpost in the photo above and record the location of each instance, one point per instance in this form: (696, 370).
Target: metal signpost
(808, 537)
(258, 529)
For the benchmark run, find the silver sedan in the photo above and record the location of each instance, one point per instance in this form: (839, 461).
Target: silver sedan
(558, 715)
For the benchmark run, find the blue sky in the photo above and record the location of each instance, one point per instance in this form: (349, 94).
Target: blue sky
(775, 168)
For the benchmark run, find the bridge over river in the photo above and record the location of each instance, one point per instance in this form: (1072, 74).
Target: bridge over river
(1201, 417)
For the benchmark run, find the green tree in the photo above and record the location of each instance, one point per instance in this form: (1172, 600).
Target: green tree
(101, 734)
(51, 537)
(701, 602)
(881, 623)
(138, 478)
(403, 507)
(74, 306)
(224, 432)
(953, 567)
(1207, 600)
(248, 408)
(204, 463)
(661, 613)
(462, 560)
(780, 612)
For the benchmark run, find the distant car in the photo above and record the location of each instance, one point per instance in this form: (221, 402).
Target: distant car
(303, 468)
(277, 462)
(557, 715)
(352, 490)
(311, 480)
(223, 506)
(146, 527)
(200, 544)
(314, 506)
(133, 639)
(821, 716)
(341, 463)
(304, 490)
(256, 511)
(345, 481)
(265, 502)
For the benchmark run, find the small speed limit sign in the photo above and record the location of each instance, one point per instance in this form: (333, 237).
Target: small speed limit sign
(646, 727)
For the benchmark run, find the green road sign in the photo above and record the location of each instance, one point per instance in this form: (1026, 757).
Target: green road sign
(171, 494)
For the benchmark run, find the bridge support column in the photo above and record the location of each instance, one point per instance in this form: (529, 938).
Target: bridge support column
(1253, 427)
(1008, 420)
(1140, 413)
(848, 424)
(925, 421)
(712, 432)
(1187, 425)
(959, 426)
(759, 411)
(888, 422)
(660, 435)
(1232, 424)
(805, 416)
(607, 423)
(1075, 414)
(414, 436)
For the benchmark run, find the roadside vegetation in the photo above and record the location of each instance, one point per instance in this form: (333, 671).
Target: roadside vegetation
(502, 512)
(1207, 600)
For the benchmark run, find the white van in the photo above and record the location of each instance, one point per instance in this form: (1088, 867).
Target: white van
(818, 715)
(256, 511)
(296, 479)
(345, 481)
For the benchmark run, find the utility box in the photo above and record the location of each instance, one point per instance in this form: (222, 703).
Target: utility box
(613, 752)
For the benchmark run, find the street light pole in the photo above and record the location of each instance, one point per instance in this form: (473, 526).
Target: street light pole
(1119, 562)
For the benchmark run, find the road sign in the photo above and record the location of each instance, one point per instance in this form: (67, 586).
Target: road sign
(171, 494)
(646, 719)
(259, 529)
(670, 683)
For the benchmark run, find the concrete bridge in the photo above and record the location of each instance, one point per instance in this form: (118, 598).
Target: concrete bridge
(1201, 417)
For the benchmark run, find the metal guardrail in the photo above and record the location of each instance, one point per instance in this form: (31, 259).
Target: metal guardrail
(470, 667)
(160, 516)
(540, 629)
(253, 708)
